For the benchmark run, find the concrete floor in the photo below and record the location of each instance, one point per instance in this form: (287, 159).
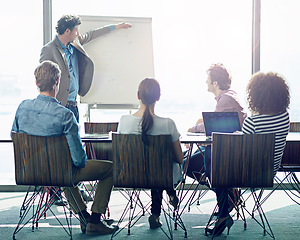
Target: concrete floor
(281, 211)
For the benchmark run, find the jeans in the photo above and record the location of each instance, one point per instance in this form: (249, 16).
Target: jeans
(196, 162)
(156, 196)
(222, 201)
(207, 161)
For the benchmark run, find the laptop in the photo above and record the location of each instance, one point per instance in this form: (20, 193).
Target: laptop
(225, 122)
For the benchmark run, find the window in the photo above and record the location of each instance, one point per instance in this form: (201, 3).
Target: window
(187, 38)
(280, 48)
(21, 41)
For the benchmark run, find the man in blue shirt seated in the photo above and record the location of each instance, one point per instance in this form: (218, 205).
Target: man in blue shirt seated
(45, 116)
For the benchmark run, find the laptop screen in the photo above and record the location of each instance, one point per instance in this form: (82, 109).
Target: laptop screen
(226, 122)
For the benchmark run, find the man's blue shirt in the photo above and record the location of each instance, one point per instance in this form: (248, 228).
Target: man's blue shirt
(72, 59)
(44, 116)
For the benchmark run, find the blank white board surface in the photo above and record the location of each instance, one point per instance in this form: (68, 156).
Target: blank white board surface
(122, 59)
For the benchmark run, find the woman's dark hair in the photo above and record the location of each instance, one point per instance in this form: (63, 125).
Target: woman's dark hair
(268, 93)
(149, 93)
(67, 22)
(218, 73)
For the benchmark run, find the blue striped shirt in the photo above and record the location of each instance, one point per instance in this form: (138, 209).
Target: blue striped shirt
(278, 124)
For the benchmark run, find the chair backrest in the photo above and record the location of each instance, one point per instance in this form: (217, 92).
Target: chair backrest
(242, 160)
(97, 127)
(101, 150)
(291, 154)
(42, 161)
(136, 165)
(295, 127)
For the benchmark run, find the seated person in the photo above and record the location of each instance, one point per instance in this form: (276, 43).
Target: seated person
(145, 122)
(268, 98)
(44, 116)
(218, 82)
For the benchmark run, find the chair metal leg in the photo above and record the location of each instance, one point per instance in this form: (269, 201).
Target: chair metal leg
(39, 210)
(167, 216)
(239, 206)
(27, 205)
(264, 223)
(135, 209)
(211, 220)
(291, 178)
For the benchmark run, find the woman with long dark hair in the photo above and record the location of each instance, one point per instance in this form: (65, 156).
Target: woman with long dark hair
(145, 122)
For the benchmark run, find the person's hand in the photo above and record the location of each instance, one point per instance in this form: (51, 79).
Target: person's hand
(200, 120)
(238, 132)
(122, 25)
(186, 145)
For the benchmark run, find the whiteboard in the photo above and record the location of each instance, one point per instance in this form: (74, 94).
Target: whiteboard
(122, 59)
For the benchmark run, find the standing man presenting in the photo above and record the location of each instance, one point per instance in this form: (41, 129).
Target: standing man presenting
(77, 68)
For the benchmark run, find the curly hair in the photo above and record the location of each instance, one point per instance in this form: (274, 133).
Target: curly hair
(218, 73)
(268, 93)
(47, 75)
(67, 22)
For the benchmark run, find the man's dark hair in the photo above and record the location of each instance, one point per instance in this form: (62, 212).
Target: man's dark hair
(218, 73)
(67, 22)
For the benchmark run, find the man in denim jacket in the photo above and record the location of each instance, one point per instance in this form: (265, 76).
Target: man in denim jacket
(45, 116)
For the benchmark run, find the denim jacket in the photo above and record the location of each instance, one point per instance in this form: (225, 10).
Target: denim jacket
(44, 116)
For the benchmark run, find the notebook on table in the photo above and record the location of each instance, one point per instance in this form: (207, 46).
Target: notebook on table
(225, 122)
(95, 136)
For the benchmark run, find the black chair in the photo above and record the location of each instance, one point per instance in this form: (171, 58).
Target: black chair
(43, 163)
(290, 165)
(137, 167)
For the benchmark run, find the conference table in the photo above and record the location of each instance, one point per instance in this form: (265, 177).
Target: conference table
(187, 138)
(292, 137)
(290, 159)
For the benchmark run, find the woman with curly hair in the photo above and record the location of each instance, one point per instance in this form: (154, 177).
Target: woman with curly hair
(268, 99)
